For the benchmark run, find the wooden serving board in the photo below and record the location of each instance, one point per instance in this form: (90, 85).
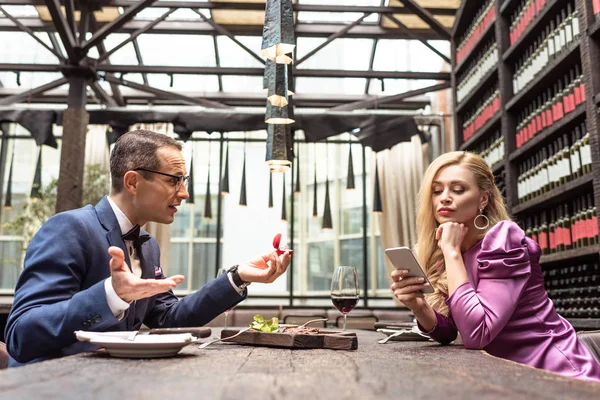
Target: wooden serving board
(335, 340)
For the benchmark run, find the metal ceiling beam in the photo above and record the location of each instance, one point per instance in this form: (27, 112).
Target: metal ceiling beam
(230, 35)
(405, 29)
(387, 99)
(164, 93)
(59, 96)
(30, 33)
(101, 51)
(218, 62)
(135, 34)
(255, 6)
(203, 28)
(17, 98)
(102, 95)
(371, 62)
(70, 14)
(167, 69)
(138, 55)
(62, 27)
(55, 44)
(115, 25)
(428, 18)
(331, 38)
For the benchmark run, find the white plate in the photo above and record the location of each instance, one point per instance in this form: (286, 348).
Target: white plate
(143, 346)
(405, 334)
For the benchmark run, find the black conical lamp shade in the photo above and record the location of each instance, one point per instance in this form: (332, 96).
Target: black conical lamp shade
(207, 198)
(8, 198)
(190, 188)
(270, 189)
(225, 179)
(37, 179)
(327, 223)
(243, 201)
(278, 31)
(283, 201)
(377, 206)
(350, 178)
(315, 204)
(297, 166)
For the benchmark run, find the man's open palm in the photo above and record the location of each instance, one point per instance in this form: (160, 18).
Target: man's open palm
(129, 287)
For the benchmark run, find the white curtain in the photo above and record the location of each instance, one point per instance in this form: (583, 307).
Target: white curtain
(401, 169)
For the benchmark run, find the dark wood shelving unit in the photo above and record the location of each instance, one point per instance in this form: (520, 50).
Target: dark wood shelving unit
(486, 35)
(481, 133)
(559, 126)
(584, 51)
(526, 38)
(570, 254)
(489, 77)
(594, 29)
(547, 77)
(555, 195)
(498, 167)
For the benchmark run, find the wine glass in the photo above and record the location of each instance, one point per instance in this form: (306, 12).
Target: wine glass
(224, 270)
(344, 290)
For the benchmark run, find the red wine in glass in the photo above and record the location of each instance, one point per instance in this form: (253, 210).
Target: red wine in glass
(344, 303)
(344, 290)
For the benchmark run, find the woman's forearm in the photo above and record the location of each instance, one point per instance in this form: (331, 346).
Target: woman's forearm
(455, 269)
(426, 317)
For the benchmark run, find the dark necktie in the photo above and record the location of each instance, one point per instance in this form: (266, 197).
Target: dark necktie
(134, 236)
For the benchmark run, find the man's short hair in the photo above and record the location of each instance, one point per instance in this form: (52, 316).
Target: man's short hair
(137, 149)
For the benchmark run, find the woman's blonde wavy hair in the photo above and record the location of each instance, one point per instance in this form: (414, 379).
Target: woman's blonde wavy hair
(427, 251)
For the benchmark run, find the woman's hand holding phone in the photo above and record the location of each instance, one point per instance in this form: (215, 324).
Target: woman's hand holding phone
(409, 289)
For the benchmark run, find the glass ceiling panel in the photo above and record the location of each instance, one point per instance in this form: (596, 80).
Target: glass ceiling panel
(330, 85)
(181, 14)
(427, 60)
(414, 22)
(184, 83)
(345, 54)
(20, 11)
(125, 55)
(391, 55)
(178, 50)
(409, 55)
(243, 84)
(310, 16)
(232, 55)
(19, 47)
(29, 80)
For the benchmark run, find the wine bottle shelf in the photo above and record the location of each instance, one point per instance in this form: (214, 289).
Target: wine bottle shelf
(483, 84)
(556, 195)
(594, 29)
(560, 126)
(546, 78)
(488, 33)
(485, 129)
(498, 167)
(506, 4)
(570, 254)
(597, 99)
(540, 20)
(585, 323)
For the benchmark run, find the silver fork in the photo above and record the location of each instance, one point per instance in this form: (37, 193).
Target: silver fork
(206, 344)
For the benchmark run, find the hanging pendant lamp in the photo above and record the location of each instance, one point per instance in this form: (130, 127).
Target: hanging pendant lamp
(225, 179)
(283, 201)
(377, 206)
(207, 198)
(327, 222)
(350, 177)
(8, 198)
(279, 115)
(278, 31)
(190, 189)
(270, 189)
(279, 154)
(36, 187)
(275, 81)
(243, 201)
(315, 212)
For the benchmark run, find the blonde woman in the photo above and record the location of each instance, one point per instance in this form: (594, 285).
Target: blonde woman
(486, 274)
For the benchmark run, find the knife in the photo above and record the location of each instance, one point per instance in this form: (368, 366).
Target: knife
(199, 332)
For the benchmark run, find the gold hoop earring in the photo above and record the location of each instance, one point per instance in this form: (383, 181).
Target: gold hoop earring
(487, 220)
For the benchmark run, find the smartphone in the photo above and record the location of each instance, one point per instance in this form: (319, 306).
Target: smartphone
(403, 258)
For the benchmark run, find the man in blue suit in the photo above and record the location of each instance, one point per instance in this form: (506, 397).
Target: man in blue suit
(92, 269)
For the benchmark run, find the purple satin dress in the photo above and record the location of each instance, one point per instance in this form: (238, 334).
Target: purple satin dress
(505, 310)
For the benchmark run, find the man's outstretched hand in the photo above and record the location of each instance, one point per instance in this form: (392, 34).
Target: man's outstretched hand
(129, 287)
(266, 268)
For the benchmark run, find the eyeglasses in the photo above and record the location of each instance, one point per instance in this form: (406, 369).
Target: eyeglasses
(176, 180)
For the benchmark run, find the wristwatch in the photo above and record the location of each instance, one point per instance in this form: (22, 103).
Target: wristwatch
(236, 278)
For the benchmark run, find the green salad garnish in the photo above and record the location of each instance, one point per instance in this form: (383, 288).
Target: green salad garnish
(260, 324)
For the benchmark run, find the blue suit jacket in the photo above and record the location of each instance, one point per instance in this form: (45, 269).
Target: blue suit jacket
(61, 289)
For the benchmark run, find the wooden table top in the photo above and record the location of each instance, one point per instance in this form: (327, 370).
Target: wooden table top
(396, 370)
